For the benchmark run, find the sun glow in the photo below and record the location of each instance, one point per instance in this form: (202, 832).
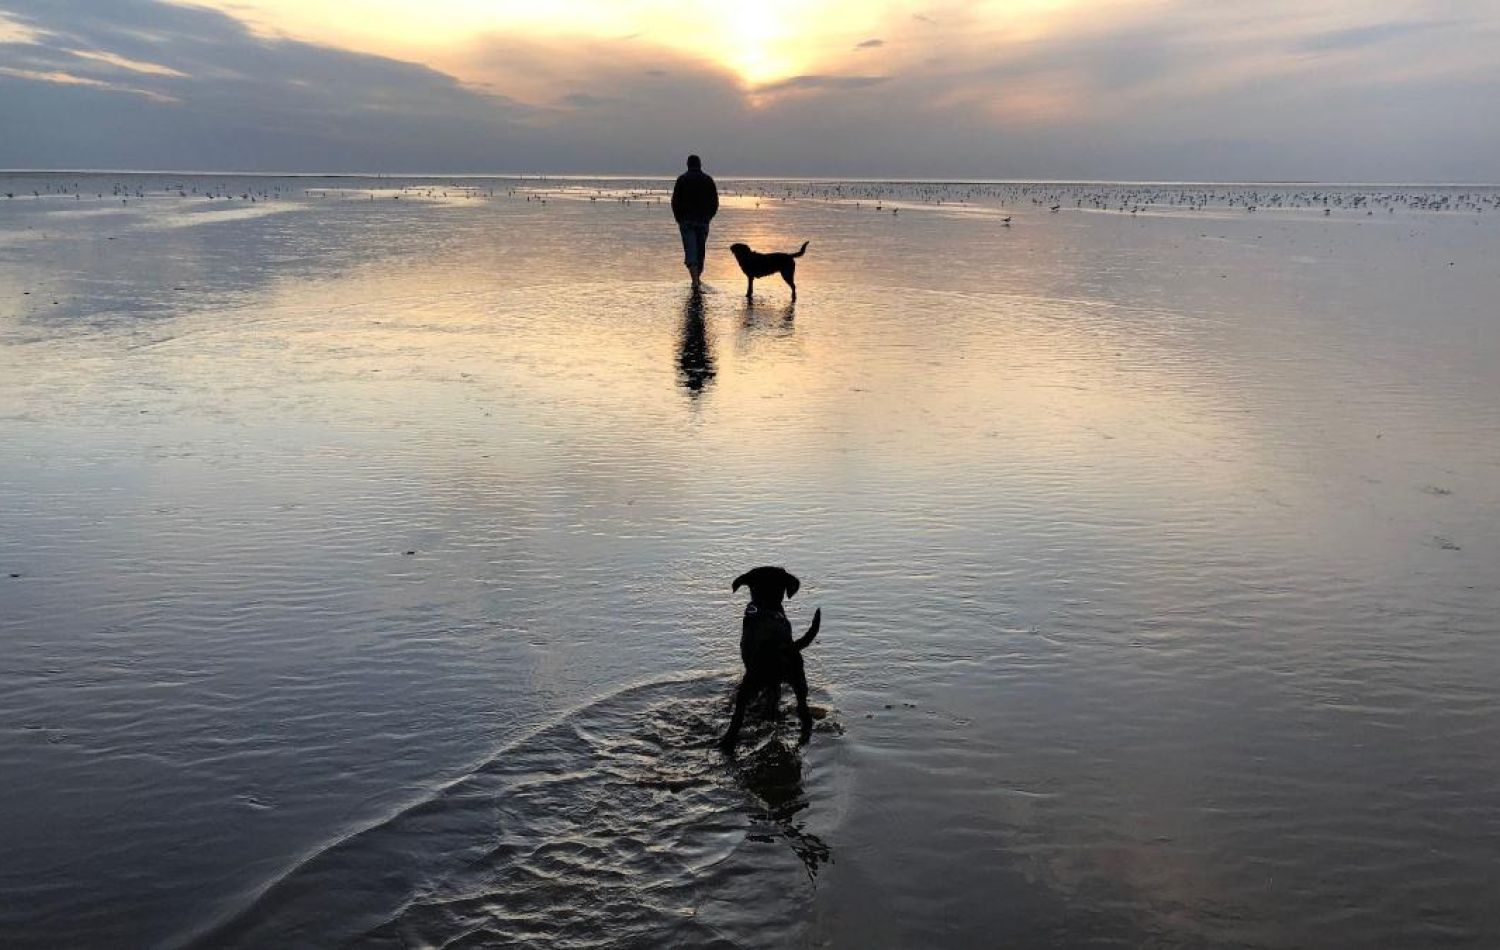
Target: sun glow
(759, 43)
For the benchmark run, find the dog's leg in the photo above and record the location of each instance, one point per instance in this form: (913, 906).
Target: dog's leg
(773, 702)
(799, 686)
(750, 288)
(741, 700)
(789, 274)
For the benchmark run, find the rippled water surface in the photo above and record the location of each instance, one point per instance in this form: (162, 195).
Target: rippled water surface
(365, 553)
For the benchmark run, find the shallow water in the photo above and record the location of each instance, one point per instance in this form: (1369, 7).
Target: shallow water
(373, 558)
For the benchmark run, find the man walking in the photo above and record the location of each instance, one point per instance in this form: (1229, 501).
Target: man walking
(695, 200)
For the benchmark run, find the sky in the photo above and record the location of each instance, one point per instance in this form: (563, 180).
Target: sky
(1292, 90)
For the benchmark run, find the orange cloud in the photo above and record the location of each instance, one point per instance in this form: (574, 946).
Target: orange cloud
(130, 65)
(61, 78)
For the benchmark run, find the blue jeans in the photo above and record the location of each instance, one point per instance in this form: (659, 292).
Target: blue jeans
(694, 242)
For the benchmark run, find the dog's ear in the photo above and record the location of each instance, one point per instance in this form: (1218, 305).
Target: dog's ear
(741, 581)
(789, 583)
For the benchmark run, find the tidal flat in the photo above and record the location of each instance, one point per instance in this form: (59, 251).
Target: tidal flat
(366, 545)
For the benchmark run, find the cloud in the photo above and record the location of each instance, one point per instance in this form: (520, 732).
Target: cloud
(60, 78)
(206, 92)
(13, 32)
(870, 44)
(129, 65)
(800, 83)
(1128, 89)
(1360, 37)
(582, 100)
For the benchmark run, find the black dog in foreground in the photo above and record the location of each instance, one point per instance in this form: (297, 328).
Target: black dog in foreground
(771, 656)
(764, 265)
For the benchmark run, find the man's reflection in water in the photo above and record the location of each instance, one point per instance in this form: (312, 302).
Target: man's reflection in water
(695, 360)
(773, 774)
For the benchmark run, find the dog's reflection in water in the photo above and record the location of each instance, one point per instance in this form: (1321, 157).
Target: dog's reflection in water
(772, 773)
(695, 358)
(775, 320)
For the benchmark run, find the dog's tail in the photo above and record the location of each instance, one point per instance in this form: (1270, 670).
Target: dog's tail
(802, 250)
(807, 638)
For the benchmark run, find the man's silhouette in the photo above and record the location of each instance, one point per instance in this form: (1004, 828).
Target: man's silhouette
(695, 201)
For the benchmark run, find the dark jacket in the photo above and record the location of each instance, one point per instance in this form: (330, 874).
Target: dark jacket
(695, 199)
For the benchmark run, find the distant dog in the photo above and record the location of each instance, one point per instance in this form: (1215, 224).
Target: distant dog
(771, 656)
(764, 265)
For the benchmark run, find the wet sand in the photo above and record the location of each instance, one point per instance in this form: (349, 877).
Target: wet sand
(365, 553)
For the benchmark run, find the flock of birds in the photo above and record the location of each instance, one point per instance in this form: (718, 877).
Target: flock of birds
(882, 197)
(1139, 198)
(209, 187)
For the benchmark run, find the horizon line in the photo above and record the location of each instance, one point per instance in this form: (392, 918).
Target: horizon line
(618, 176)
